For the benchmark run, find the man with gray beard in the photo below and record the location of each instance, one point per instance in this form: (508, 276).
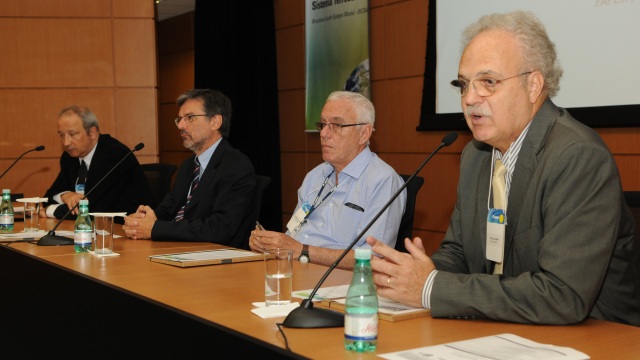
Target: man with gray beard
(211, 198)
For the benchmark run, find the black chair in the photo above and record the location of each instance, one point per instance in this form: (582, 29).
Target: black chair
(632, 199)
(159, 178)
(406, 223)
(261, 183)
(256, 205)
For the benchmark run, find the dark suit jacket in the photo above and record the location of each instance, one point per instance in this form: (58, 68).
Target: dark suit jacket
(122, 191)
(570, 245)
(220, 205)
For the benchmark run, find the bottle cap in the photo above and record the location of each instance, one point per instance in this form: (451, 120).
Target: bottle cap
(363, 254)
(84, 202)
(6, 191)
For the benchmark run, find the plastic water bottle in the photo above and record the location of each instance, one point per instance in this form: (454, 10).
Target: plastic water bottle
(361, 307)
(6, 212)
(83, 229)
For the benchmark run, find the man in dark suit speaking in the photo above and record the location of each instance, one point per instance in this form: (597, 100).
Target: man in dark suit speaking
(213, 190)
(88, 157)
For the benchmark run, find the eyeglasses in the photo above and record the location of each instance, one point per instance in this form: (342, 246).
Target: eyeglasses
(188, 118)
(484, 85)
(335, 128)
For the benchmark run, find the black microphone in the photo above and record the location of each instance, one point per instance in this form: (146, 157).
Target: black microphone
(51, 239)
(37, 148)
(306, 316)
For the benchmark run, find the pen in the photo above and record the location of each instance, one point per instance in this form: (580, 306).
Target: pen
(259, 225)
(354, 206)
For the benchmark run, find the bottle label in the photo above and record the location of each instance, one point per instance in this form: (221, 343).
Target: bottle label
(82, 237)
(361, 326)
(6, 219)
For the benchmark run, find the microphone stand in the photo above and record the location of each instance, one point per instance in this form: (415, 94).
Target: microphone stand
(39, 148)
(51, 239)
(306, 316)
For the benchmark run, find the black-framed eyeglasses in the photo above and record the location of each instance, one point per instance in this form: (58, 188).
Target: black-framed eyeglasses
(188, 118)
(335, 128)
(483, 85)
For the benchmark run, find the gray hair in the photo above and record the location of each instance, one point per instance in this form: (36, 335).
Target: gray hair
(365, 112)
(88, 118)
(538, 51)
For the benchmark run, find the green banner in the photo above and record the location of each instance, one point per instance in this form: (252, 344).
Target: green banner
(337, 46)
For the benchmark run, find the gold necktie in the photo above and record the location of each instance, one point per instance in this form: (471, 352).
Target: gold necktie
(499, 191)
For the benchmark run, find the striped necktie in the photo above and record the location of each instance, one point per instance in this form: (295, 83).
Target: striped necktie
(499, 189)
(194, 185)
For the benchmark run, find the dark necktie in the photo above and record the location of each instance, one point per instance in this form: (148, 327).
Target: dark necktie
(82, 173)
(194, 185)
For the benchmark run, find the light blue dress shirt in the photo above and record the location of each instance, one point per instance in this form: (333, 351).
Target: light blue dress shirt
(367, 183)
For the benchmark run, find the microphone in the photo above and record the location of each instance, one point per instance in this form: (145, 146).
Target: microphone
(37, 148)
(306, 316)
(51, 239)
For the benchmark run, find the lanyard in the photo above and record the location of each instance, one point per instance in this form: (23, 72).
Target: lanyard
(315, 201)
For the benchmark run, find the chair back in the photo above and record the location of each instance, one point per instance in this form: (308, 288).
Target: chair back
(632, 198)
(159, 177)
(406, 223)
(256, 204)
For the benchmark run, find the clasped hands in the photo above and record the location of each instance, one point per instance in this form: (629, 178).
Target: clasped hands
(139, 224)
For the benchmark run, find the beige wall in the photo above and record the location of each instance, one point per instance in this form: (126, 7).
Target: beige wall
(98, 53)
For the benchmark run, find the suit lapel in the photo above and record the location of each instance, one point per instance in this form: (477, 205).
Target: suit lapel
(95, 169)
(526, 165)
(209, 173)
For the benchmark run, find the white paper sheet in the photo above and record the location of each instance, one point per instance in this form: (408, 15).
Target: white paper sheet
(496, 347)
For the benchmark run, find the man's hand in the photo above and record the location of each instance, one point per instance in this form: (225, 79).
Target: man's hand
(261, 240)
(139, 224)
(71, 199)
(400, 276)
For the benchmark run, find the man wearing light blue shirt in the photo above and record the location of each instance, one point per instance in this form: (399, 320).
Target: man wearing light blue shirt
(339, 197)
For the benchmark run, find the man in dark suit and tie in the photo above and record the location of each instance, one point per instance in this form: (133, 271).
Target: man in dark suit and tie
(564, 246)
(88, 157)
(212, 194)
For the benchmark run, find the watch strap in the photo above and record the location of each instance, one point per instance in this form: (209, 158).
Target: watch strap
(304, 252)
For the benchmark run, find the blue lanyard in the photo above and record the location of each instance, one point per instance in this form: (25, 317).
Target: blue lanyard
(315, 201)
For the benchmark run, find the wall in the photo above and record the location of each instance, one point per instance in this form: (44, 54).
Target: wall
(176, 74)
(98, 53)
(398, 31)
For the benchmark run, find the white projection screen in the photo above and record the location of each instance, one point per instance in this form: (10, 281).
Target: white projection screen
(598, 45)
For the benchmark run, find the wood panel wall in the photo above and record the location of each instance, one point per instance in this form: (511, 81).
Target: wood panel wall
(99, 53)
(398, 32)
(176, 74)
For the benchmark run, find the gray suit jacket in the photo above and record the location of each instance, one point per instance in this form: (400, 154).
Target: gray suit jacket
(570, 250)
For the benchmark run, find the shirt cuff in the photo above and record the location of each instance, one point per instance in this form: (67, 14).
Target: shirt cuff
(51, 209)
(426, 290)
(58, 197)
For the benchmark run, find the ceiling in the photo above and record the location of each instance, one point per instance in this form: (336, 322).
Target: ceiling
(170, 8)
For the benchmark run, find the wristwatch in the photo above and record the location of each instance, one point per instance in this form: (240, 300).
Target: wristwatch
(304, 255)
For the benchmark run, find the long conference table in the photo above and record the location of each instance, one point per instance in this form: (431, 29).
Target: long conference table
(56, 302)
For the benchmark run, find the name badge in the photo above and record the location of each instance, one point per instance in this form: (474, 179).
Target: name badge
(496, 223)
(298, 219)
